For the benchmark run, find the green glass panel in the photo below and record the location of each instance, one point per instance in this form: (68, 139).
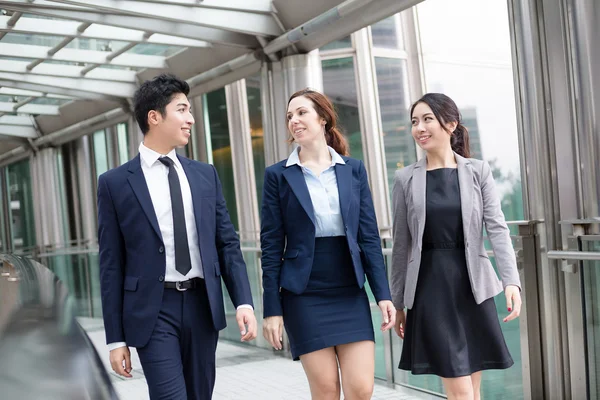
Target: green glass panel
(21, 206)
(339, 84)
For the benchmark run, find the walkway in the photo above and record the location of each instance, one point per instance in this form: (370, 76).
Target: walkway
(243, 372)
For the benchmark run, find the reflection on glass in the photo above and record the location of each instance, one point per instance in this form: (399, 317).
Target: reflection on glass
(343, 43)
(475, 71)
(397, 138)
(339, 84)
(123, 143)
(256, 132)
(20, 199)
(591, 287)
(387, 33)
(217, 130)
(100, 153)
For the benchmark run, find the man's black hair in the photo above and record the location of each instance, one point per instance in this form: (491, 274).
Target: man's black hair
(155, 94)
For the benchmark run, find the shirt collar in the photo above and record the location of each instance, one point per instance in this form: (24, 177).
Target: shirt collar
(294, 158)
(149, 156)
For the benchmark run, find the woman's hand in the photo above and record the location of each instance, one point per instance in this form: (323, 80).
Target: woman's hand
(513, 302)
(388, 314)
(273, 331)
(400, 325)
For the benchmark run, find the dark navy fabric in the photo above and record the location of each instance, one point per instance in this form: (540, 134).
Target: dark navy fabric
(333, 309)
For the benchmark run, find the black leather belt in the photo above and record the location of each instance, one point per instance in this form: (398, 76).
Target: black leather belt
(182, 286)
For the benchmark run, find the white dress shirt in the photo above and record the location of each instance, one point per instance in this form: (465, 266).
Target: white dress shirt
(324, 195)
(157, 180)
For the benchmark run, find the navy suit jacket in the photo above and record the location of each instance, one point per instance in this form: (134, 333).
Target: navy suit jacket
(288, 231)
(132, 256)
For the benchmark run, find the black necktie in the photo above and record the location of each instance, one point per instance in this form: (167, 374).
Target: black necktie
(183, 264)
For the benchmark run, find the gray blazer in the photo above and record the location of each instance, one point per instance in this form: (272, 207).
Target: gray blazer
(479, 203)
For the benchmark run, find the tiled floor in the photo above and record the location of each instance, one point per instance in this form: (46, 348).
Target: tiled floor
(243, 372)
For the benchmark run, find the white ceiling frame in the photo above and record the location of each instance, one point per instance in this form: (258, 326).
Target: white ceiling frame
(6, 91)
(69, 71)
(25, 132)
(36, 26)
(16, 120)
(104, 89)
(236, 21)
(181, 29)
(84, 56)
(41, 109)
(71, 92)
(258, 6)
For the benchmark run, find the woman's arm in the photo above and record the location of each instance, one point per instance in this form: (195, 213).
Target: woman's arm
(402, 241)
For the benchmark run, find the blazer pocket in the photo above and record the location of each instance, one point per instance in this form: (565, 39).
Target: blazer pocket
(130, 283)
(217, 268)
(292, 253)
(484, 256)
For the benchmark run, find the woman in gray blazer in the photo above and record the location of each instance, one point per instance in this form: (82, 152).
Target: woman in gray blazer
(440, 269)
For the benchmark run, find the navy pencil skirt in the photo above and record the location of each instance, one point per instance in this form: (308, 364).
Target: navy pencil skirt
(332, 310)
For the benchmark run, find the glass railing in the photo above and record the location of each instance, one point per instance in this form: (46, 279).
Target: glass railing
(590, 271)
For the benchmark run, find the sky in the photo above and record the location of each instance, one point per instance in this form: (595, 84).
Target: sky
(467, 53)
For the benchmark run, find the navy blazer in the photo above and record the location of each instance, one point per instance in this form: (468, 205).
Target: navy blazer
(288, 231)
(132, 257)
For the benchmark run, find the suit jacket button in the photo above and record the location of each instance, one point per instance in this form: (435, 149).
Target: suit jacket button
(161, 278)
(161, 249)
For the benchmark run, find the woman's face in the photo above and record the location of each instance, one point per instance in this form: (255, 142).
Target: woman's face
(428, 131)
(304, 124)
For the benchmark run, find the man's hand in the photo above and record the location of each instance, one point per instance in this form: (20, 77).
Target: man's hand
(120, 361)
(247, 324)
(273, 331)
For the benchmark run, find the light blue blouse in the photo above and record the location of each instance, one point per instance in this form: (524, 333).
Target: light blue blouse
(324, 195)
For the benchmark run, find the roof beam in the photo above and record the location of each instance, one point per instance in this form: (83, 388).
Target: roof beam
(41, 109)
(76, 87)
(237, 21)
(26, 132)
(51, 27)
(7, 91)
(258, 6)
(68, 71)
(16, 120)
(180, 29)
(84, 56)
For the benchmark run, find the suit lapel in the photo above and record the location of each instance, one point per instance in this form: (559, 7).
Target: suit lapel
(140, 189)
(196, 182)
(295, 178)
(465, 182)
(343, 173)
(419, 186)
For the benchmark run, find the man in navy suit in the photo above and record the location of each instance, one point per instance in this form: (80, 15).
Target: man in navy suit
(166, 240)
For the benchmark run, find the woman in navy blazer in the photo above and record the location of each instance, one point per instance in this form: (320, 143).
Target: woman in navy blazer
(319, 238)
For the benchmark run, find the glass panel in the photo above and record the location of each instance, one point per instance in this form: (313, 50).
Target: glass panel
(387, 33)
(476, 72)
(343, 43)
(123, 143)
(21, 206)
(399, 145)
(217, 130)
(591, 289)
(339, 84)
(100, 153)
(256, 132)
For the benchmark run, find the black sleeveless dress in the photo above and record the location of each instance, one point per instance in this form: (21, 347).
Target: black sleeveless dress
(447, 333)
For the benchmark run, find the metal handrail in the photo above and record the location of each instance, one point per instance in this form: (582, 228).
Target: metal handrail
(574, 255)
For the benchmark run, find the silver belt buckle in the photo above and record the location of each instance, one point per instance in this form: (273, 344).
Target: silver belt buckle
(178, 287)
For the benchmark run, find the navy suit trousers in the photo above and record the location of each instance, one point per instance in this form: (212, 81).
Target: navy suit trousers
(179, 359)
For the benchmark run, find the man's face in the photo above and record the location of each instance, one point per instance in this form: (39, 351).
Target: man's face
(175, 126)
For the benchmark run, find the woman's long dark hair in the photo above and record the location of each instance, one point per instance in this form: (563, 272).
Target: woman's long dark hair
(324, 107)
(445, 110)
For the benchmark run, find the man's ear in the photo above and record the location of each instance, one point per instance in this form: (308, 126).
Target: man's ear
(154, 118)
